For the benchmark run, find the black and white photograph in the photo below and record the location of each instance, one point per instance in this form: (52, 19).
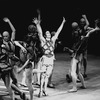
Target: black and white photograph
(49, 50)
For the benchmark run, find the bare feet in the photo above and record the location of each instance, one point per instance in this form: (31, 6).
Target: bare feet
(72, 90)
(51, 85)
(45, 93)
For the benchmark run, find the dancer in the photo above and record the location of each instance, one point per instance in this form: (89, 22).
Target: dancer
(31, 36)
(7, 58)
(76, 36)
(48, 44)
(76, 59)
(29, 60)
(84, 28)
(77, 32)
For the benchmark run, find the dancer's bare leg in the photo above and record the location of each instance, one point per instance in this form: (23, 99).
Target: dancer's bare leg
(42, 79)
(24, 78)
(7, 83)
(85, 63)
(28, 81)
(81, 76)
(39, 65)
(48, 74)
(73, 74)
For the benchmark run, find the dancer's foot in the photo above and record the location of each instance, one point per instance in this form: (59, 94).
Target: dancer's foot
(45, 93)
(23, 96)
(36, 84)
(84, 75)
(83, 87)
(40, 94)
(24, 85)
(17, 93)
(51, 85)
(78, 80)
(72, 90)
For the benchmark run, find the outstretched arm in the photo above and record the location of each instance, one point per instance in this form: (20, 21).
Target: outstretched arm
(39, 29)
(86, 20)
(19, 45)
(12, 28)
(59, 30)
(23, 67)
(91, 31)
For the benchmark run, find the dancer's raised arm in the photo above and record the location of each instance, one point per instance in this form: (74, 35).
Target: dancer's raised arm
(39, 29)
(59, 30)
(19, 45)
(12, 28)
(93, 30)
(86, 21)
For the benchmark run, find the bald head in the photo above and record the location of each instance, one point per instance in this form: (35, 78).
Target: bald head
(74, 25)
(6, 35)
(82, 21)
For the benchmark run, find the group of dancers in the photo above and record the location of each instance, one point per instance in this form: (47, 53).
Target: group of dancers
(80, 35)
(37, 56)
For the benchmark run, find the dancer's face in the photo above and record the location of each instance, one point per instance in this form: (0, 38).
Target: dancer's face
(48, 35)
(82, 22)
(6, 36)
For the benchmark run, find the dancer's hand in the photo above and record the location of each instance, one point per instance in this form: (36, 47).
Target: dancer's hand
(18, 70)
(36, 21)
(97, 21)
(64, 20)
(65, 49)
(97, 28)
(84, 16)
(82, 37)
(6, 19)
(24, 50)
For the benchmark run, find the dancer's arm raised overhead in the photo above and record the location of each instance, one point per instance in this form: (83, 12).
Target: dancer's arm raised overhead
(59, 30)
(39, 29)
(39, 15)
(86, 21)
(12, 28)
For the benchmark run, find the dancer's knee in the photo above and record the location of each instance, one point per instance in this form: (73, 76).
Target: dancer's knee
(49, 71)
(73, 74)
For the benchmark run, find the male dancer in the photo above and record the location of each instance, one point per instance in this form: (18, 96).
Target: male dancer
(7, 58)
(47, 44)
(76, 61)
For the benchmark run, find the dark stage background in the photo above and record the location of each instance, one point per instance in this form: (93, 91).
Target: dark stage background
(21, 13)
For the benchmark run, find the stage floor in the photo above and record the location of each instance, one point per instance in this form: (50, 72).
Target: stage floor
(62, 64)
